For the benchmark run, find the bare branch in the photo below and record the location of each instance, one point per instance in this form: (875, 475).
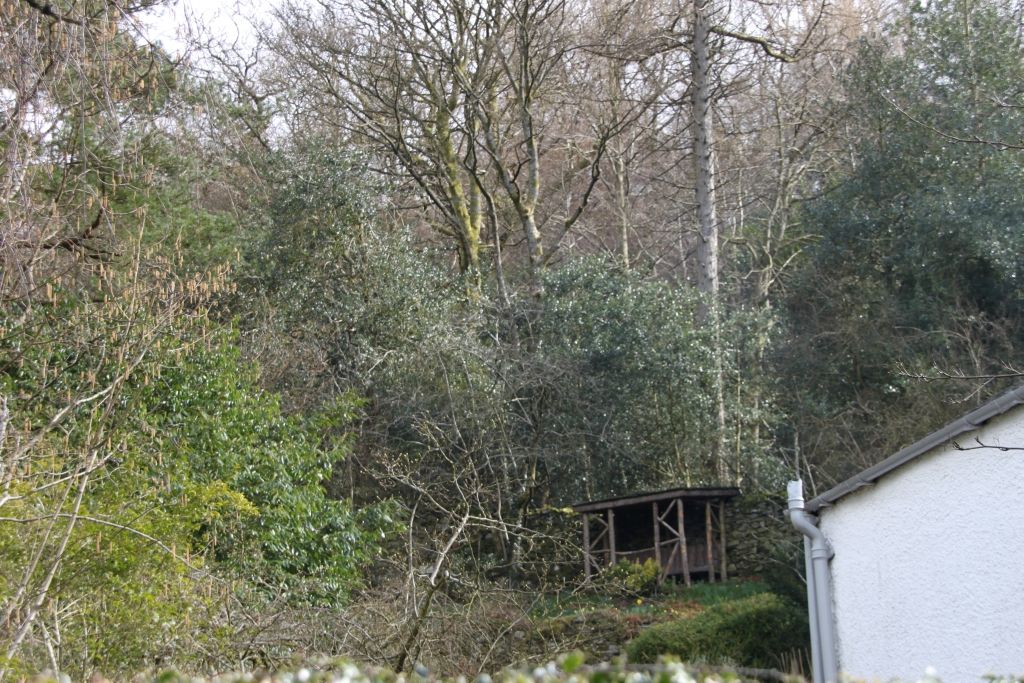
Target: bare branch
(973, 140)
(104, 522)
(763, 43)
(982, 445)
(48, 10)
(939, 374)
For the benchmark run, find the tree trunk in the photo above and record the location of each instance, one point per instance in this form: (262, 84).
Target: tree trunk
(704, 157)
(707, 214)
(622, 204)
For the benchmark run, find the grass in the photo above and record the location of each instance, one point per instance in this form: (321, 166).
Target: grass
(668, 597)
(707, 594)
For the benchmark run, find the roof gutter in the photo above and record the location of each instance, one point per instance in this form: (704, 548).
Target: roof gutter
(967, 423)
(817, 554)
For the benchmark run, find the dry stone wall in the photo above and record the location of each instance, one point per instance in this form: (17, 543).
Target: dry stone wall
(760, 540)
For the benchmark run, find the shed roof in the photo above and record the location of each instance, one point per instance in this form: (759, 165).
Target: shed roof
(968, 423)
(706, 493)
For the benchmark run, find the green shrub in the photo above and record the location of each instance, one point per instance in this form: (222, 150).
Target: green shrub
(631, 578)
(756, 631)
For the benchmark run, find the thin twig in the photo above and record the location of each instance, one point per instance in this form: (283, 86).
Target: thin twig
(981, 445)
(95, 520)
(975, 140)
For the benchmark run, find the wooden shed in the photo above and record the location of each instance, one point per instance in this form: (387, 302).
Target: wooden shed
(682, 529)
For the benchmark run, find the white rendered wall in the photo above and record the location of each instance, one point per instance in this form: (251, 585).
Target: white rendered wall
(929, 564)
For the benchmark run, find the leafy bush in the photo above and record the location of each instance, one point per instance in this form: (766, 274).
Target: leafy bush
(631, 370)
(755, 631)
(182, 494)
(256, 475)
(634, 578)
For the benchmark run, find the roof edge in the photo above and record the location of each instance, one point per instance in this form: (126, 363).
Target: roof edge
(651, 496)
(968, 423)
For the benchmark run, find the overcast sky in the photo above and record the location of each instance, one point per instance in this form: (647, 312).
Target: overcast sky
(172, 23)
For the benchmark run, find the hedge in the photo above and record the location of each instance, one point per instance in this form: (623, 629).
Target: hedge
(568, 669)
(758, 631)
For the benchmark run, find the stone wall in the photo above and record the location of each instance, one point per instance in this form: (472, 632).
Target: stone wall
(760, 540)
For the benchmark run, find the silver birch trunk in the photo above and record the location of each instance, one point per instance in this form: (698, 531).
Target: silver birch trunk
(707, 214)
(704, 157)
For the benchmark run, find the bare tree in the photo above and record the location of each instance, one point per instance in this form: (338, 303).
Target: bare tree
(395, 75)
(467, 102)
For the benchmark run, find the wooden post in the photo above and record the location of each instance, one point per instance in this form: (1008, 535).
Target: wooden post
(586, 547)
(680, 521)
(721, 539)
(611, 537)
(657, 540)
(709, 539)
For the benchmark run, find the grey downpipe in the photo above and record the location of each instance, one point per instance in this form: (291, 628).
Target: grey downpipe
(812, 605)
(820, 580)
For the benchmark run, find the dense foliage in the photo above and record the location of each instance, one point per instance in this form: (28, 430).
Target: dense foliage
(306, 350)
(187, 476)
(920, 238)
(633, 392)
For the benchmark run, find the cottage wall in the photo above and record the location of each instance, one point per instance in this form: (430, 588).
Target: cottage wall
(929, 564)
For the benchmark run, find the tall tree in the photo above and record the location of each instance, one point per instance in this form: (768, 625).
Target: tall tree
(706, 35)
(462, 101)
(394, 75)
(704, 155)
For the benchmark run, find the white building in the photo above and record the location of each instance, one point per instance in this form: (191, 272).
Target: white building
(928, 563)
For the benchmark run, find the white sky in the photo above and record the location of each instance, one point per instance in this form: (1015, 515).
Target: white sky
(226, 22)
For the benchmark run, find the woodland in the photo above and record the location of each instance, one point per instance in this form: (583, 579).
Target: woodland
(307, 344)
